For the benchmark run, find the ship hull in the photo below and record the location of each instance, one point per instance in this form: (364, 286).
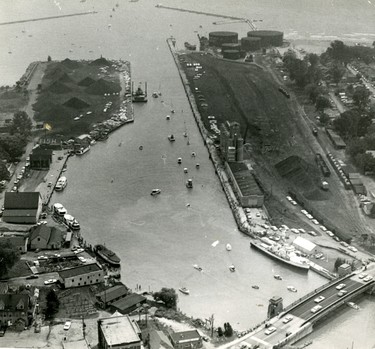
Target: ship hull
(101, 252)
(303, 267)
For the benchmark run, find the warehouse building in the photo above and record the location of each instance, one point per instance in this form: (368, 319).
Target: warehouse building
(22, 207)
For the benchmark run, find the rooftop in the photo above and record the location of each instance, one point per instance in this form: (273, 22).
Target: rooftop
(245, 179)
(128, 301)
(112, 293)
(304, 243)
(82, 269)
(21, 200)
(178, 337)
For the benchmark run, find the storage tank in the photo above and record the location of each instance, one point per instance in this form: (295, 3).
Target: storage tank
(231, 46)
(222, 37)
(250, 43)
(267, 37)
(231, 54)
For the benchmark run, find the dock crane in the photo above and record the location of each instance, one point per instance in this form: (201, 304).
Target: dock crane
(241, 20)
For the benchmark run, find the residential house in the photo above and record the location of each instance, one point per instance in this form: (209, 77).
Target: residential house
(18, 241)
(22, 207)
(129, 303)
(158, 340)
(118, 331)
(113, 294)
(186, 339)
(40, 158)
(87, 274)
(14, 308)
(44, 237)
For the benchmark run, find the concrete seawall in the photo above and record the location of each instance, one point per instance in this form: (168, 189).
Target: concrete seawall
(236, 208)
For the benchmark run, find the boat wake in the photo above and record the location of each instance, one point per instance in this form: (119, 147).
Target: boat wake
(137, 223)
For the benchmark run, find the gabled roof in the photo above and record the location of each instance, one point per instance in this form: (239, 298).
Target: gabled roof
(82, 269)
(21, 200)
(43, 231)
(112, 293)
(12, 301)
(129, 301)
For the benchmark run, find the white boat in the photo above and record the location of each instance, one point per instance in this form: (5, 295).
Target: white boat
(61, 184)
(232, 268)
(71, 222)
(292, 289)
(184, 290)
(277, 277)
(82, 150)
(353, 305)
(168, 117)
(228, 247)
(59, 209)
(189, 183)
(185, 170)
(196, 266)
(155, 191)
(171, 138)
(179, 160)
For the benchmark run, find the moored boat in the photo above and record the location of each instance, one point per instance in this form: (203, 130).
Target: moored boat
(61, 184)
(228, 247)
(189, 183)
(71, 222)
(59, 209)
(108, 255)
(277, 277)
(184, 290)
(139, 95)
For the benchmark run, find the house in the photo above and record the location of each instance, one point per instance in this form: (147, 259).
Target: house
(118, 331)
(129, 303)
(111, 295)
(22, 207)
(158, 340)
(14, 308)
(40, 158)
(18, 241)
(44, 237)
(186, 339)
(87, 274)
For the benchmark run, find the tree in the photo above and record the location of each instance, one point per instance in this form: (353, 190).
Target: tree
(49, 59)
(53, 304)
(168, 296)
(361, 97)
(338, 51)
(339, 261)
(21, 123)
(324, 118)
(228, 330)
(4, 173)
(322, 103)
(313, 91)
(347, 123)
(337, 72)
(13, 145)
(8, 257)
(220, 332)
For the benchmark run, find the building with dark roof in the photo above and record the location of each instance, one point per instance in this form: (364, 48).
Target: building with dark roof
(245, 185)
(129, 303)
(45, 237)
(22, 207)
(186, 339)
(118, 331)
(40, 159)
(14, 308)
(87, 274)
(113, 294)
(18, 241)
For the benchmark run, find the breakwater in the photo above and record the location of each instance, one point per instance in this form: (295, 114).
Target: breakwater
(49, 17)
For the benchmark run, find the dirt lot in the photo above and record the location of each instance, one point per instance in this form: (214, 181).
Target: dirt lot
(276, 131)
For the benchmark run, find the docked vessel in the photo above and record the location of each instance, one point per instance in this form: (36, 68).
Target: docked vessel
(59, 209)
(184, 290)
(139, 95)
(282, 253)
(82, 150)
(189, 183)
(228, 247)
(61, 184)
(71, 222)
(108, 255)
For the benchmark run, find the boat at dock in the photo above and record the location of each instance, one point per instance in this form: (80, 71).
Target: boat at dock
(184, 290)
(108, 255)
(59, 209)
(61, 183)
(82, 150)
(71, 222)
(139, 95)
(283, 253)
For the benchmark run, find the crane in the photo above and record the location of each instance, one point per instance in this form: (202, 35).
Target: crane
(241, 20)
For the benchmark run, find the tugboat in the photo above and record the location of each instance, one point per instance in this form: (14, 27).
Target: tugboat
(184, 290)
(139, 95)
(189, 184)
(171, 138)
(107, 255)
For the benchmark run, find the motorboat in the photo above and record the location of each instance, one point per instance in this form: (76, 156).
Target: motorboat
(185, 170)
(185, 134)
(155, 192)
(277, 277)
(292, 289)
(71, 222)
(189, 183)
(168, 117)
(171, 138)
(232, 268)
(141, 147)
(179, 160)
(196, 266)
(59, 209)
(255, 287)
(228, 247)
(196, 165)
(61, 183)
(184, 290)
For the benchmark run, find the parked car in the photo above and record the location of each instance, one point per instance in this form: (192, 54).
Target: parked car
(341, 286)
(270, 330)
(32, 276)
(50, 281)
(67, 325)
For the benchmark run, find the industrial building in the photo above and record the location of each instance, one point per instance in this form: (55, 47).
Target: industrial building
(87, 274)
(118, 331)
(231, 142)
(245, 185)
(22, 207)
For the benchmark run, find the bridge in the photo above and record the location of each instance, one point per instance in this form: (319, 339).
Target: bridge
(297, 320)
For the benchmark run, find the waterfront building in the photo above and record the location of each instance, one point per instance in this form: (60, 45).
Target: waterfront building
(44, 237)
(244, 184)
(14, 309)
(88, 274)
(112, 294)
(18, 241)
(231, 142)
(40, 159)
(158, 340)
(118, 331)
(129, 303)
(186, 339)
(304, 245)
(22, 207)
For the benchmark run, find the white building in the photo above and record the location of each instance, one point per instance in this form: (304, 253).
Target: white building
(88, 274)
(304, 245)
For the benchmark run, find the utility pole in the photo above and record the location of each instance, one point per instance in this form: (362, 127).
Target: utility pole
(212, 325)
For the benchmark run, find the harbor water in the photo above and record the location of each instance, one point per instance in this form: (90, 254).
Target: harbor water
(160, 238)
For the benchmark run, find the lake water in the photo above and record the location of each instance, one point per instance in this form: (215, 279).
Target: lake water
(160, 238)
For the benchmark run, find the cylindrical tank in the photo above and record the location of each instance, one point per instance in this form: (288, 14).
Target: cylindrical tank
(250, 43)
(267, 37)
(231, 46)
(222, 37)
(231, 54)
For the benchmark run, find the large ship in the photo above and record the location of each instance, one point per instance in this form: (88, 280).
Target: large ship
(108, 255)
(283, 253)
(139, 95)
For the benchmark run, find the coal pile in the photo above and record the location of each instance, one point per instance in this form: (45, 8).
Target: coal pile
(102, 86)
(70, 64)
(100, 62)
(76, 103)
(87, 81)
(58, 87)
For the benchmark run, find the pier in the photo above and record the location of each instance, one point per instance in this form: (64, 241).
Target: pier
(50, 17)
